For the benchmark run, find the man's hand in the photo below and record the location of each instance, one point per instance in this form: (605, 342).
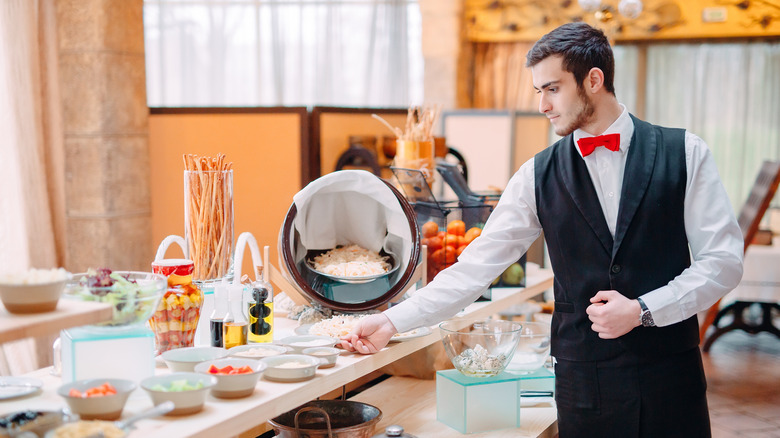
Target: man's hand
(370, 335)
(612, 314)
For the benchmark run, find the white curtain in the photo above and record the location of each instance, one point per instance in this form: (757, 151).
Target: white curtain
(727, 94)
(28, 121)
(283, 53)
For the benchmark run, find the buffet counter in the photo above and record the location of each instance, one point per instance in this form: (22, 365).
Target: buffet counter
(223, 417)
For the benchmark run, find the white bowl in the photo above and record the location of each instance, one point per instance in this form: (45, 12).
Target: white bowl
(328, 355)
(185, 402)
(299, 343)
(185, 359)
(290, 367)
(105, 407)
(233, 385)
(256, 351)
(31, 298)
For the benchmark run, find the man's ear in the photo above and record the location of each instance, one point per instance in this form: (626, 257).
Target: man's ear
(594, 81)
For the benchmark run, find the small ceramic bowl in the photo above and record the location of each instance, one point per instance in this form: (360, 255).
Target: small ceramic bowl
(327, 354)
(185, 402)
(299, 343)
(290, 367)
(233, 385)
(256, 351)
(31, 298)
(103, 407)
(185, 359)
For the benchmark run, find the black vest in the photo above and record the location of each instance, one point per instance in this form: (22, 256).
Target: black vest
(650, 247)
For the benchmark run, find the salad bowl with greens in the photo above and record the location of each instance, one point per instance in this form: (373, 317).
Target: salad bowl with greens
(133, 295)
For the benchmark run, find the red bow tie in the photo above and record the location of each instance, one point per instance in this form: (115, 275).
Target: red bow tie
(589, 144)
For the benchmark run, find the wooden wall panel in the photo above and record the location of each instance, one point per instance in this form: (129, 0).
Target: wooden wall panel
(265, 146)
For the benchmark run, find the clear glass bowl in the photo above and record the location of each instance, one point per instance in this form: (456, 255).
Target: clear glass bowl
(134, 297)
(481, 349)
(532, 350)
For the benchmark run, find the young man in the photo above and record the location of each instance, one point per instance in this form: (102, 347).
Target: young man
(641, 236)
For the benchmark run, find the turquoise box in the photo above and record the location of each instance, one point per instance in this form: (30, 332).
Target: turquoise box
(481, 404)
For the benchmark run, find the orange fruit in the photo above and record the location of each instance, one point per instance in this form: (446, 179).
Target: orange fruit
(453, 240)
(460, 250)
(444, 255)
(430, 228)
(434, 243)
(457, 227)
(472, 234)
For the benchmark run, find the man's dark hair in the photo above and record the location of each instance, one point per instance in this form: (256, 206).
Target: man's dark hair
(582, 47)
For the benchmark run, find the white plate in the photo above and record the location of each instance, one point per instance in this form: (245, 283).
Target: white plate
(303, 329)
(533, 401)
(411, 334)
(12, 387)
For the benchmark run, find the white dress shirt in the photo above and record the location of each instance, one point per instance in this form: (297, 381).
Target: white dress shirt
(714, 238)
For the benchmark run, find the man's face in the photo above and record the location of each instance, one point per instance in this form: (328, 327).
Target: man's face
(566, 105)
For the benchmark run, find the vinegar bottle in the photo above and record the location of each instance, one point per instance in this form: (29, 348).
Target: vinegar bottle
(234, 330)
(218, 315)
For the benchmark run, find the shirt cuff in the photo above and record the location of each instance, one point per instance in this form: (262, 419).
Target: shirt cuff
(663, 306)
(402, 320)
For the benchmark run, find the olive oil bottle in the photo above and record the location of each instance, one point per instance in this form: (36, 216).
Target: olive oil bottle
(234, 330)
(261, 313)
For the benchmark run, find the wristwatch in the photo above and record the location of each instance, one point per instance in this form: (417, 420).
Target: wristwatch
(645, 318)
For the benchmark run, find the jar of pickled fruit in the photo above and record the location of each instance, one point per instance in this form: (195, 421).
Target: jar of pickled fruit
(176, 317)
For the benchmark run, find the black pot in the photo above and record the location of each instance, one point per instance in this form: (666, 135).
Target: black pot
(328, 418)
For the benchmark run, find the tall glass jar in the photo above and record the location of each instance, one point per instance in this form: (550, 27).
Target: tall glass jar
(208, 224)
(176, 317)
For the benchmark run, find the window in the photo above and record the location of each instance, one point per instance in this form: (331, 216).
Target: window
(283, 53)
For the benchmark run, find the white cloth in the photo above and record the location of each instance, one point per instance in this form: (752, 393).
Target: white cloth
(351, 207)
(714, 238)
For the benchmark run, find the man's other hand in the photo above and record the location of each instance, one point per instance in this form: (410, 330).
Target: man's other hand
(612, 314)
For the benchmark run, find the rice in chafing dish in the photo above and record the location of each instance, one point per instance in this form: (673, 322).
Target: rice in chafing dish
(351, 261)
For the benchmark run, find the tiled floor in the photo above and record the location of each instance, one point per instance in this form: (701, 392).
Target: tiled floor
(743, 377)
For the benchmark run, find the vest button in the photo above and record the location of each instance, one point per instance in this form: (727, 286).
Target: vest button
(616, 269)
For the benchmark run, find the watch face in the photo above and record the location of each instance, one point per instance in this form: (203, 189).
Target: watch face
(647, 319)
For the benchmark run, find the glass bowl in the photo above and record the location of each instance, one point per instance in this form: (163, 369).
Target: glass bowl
(480, 349)
(532, 350)
(133, 295)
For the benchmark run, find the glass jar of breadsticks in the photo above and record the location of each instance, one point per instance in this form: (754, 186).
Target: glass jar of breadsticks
(208, 217)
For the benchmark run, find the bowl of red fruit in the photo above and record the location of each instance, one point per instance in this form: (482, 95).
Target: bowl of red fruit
(235, 377)
(97, 399)
(133, 295)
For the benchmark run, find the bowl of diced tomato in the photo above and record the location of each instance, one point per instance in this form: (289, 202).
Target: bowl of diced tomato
(97, 399)
(235, 377)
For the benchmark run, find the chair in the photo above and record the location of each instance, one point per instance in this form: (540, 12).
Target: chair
(749, 218)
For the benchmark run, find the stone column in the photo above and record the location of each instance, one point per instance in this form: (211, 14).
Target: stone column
(441, 42)
(105, 120)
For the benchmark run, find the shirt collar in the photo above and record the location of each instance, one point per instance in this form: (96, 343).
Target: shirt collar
(623, 125)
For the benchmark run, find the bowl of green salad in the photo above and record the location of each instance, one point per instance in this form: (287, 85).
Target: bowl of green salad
(187, 391)
(133, 295)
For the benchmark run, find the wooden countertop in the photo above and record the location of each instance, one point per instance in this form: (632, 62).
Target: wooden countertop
(411, 403)
(69, 313)
(225, 418)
